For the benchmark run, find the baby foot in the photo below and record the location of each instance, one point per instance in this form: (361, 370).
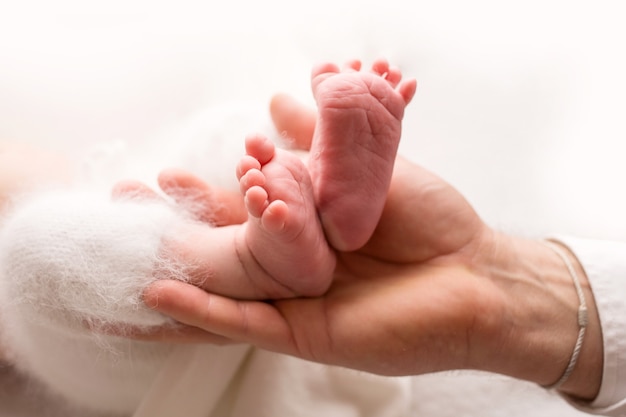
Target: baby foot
(283, 232)
(354, 146)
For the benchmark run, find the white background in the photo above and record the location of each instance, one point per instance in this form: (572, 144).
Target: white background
(520, 104)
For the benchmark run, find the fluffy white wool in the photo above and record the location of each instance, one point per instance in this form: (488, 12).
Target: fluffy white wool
(72, 263)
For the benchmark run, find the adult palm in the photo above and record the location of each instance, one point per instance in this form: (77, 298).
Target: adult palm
(413, 300)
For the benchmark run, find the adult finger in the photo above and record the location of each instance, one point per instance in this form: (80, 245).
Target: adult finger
(171, 334)
(294, 120)
(253, 322)
(213, 205)
(133, 189)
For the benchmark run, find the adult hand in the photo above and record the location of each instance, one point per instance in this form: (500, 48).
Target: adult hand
(434, 289)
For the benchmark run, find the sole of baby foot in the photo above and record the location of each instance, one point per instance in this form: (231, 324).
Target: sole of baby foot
(355, 145)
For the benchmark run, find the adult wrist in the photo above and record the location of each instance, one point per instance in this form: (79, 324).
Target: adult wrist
(537, 325)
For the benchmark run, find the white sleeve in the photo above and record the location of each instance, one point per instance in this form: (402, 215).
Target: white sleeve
(605, 265)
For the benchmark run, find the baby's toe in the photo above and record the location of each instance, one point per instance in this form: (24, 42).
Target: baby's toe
(324, 68)
(252, 178)
(380, 67)
(260, 148)
(256, 201)
(394, 76)
(407, 90)
(247, 163)
(352, 65)
(275, 216)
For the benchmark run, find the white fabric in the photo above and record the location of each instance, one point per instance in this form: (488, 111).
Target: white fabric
(70, 260)
(269, 385)
(89, 245)
(193, 381)
(456, 393)
(605, 265)
(71, 257)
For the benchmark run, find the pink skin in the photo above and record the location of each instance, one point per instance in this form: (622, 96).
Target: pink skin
(282, 250)
(283, 233)
(354, 146)
(279, 251)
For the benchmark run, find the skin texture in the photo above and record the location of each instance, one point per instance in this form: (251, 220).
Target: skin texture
(282, 249)
(283, 233)
(434, 289)
(257, 250)
(354, 146)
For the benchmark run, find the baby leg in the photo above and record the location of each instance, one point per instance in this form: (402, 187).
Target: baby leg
(354, 146)
(283, 233)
